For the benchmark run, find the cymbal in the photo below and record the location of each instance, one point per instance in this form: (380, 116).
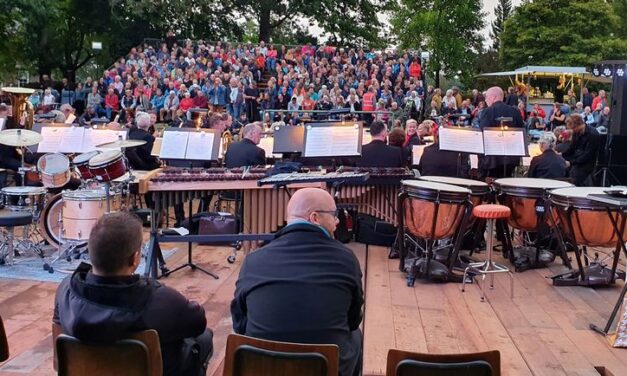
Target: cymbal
(18, 90)
(20, 137)
(122, 144)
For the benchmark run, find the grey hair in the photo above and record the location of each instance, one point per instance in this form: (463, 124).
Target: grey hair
(548, 139)
(250, 128)
(142, 119)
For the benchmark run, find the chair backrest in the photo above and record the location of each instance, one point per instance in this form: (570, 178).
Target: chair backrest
(492, 358)
(410, 367)
(139, 354)
(4, 343)
(246, 356)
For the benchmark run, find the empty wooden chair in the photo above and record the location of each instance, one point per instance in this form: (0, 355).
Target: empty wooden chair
(246, 356)
(4, 343)
(137, 355)
(405, 363)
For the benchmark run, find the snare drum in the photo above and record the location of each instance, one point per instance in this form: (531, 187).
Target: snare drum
(107, 165)
(24, 198)
(478, 189)
(584, 220)
(54, 170)
(81, 211)
(521, 195)
(81, 162)
(427, 219)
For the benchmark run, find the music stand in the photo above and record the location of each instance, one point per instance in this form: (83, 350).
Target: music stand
(461, 140)
(288, 139)
(183, 147)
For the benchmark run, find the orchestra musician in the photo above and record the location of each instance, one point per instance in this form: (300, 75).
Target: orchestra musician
(582, 153)
(549, 164)
(498, 166)
(437, 162)
(377, 153)
(140, 157)
(246, 152)
(9, 158)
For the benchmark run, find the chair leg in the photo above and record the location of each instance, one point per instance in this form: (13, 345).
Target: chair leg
(10, 245)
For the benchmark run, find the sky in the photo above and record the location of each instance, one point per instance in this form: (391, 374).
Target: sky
(488, 9)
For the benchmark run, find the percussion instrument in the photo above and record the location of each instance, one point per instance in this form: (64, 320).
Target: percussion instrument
(80, 212)
(81, 163)
(107, 165)
(432, 211)
(119, 144)
(20, 104)
(522, 195)
(24, 198)
(50, 220)
(478, 189)
(584, 220)
(54, 170)
(19, 137)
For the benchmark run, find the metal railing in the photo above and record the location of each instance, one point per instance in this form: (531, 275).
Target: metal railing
(310, 115)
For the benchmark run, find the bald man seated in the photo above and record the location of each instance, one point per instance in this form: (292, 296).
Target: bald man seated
(304, 286)
(246, 152)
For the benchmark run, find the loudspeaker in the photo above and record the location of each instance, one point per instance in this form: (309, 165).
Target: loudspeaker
(618, 107)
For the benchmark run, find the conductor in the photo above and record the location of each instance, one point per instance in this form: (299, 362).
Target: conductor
(498, 166)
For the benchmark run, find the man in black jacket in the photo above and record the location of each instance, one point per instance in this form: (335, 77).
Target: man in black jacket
(106, 301)
(304, 286)
(377, 153)
(582, 153)
(498, 166)
(140, 157)
(246, 152)
(549, 164)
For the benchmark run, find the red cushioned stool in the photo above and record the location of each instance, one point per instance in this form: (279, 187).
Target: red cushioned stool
(488, 267)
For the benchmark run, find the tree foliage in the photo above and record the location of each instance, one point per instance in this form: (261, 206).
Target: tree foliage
(448, 29)
(502, 11)
(345, 21)
(562, 32)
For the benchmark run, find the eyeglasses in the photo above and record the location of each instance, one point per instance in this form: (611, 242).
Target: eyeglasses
(334, 213)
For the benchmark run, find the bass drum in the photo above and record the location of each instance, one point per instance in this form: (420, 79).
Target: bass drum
(51, 222)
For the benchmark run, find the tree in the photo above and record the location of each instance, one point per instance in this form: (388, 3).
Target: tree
(562, 32)
(344, 21)
(448, 29)
(502, 11)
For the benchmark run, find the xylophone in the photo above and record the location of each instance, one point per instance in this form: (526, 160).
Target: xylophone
(344, 177)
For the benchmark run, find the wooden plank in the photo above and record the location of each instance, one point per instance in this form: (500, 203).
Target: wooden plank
(378, 326)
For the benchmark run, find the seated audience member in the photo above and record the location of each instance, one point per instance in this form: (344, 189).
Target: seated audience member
(246, 152)
(436, 162)
(549, 164)
(377, 153)
(107, 301)
(304, 286)
(140, 157)
(535, 125)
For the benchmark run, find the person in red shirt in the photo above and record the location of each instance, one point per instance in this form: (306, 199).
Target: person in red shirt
(200, 100)
(112, 103)
(186, 103)
(415, 70)
(308, 104)
(368, 102)
(539, 111)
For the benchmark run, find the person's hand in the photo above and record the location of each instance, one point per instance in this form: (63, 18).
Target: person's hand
(567, 164)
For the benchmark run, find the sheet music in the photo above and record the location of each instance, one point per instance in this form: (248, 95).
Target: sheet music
(534, 150)
(474, 161)
(95, 137)
(70, 119)
(199, 145)
(174, 145)
(332, 141)
(72, 140)
(52, 137)
(416, 154)
(461, 140)
(366, 138)
(504, 142)
(156, 147)
(3, 122)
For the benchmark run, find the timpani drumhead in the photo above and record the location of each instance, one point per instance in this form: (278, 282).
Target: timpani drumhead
(578, 192)
(420, 184)
(476, 186)
(104, 158)
(532, 183)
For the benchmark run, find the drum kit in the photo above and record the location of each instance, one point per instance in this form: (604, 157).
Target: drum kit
(548, 217)
(64, 218)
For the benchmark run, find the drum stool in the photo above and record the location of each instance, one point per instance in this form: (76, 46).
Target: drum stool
(10, 220)
(490, 213)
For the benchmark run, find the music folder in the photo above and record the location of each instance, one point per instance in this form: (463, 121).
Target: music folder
(190, 144)
(505, 142)
(465, 140)
(336, 139)
(288, 139)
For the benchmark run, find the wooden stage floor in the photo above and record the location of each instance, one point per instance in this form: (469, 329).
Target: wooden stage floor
(543, 330)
